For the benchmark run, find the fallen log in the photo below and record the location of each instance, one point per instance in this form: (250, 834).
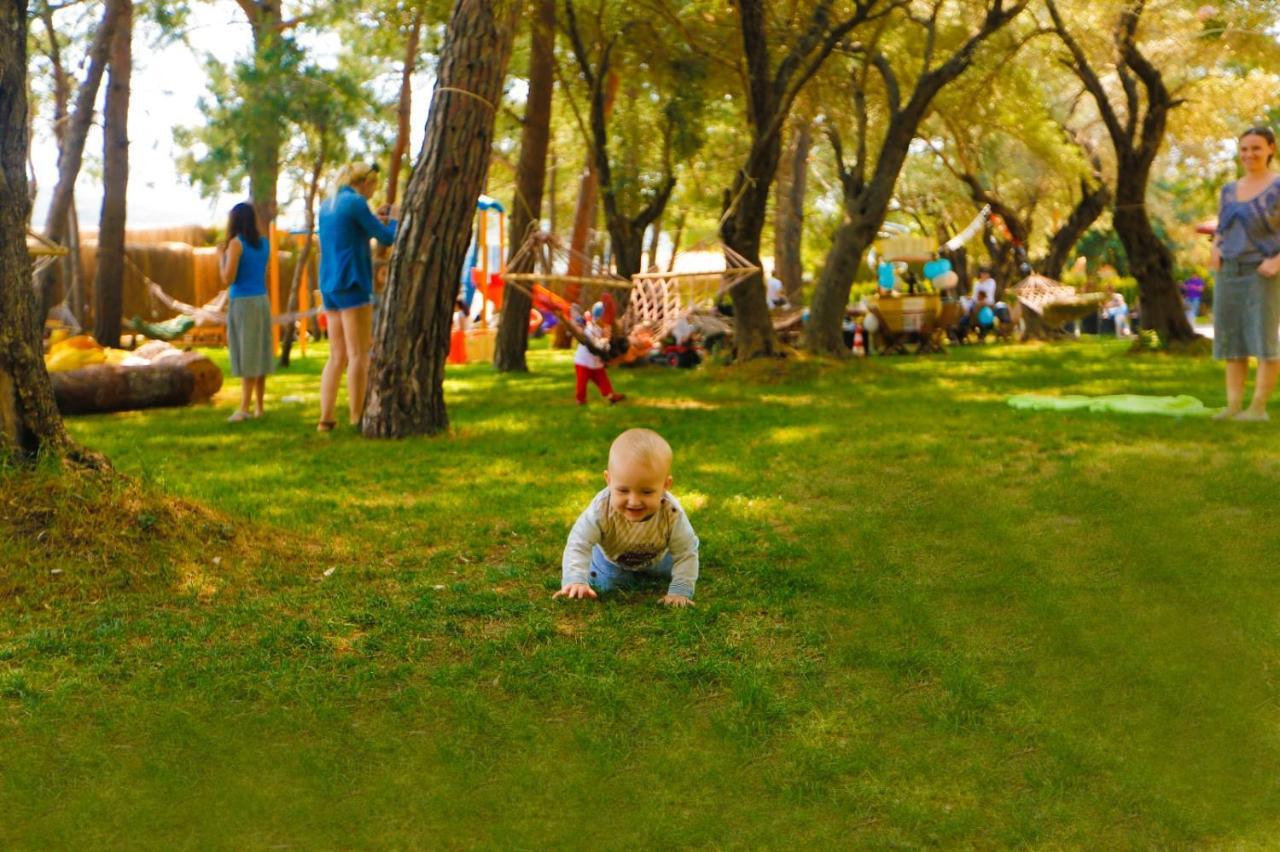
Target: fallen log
(178, 379)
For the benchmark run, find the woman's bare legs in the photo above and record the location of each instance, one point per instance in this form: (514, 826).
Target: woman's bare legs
(334, 367)
(357, 329)
(1237, 372)
(259, 391)
(1264, 383)
(246, 397)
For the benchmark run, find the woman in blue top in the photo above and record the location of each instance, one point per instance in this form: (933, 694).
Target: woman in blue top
(243, 264)
(346, 284)
(1246, 296)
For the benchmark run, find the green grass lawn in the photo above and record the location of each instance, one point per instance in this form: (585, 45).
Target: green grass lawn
(924, 619)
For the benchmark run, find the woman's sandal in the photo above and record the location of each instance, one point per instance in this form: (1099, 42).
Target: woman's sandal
(326, 425)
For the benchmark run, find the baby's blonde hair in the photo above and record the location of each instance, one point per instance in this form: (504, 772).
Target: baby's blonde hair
(351, 174)
(641, 445)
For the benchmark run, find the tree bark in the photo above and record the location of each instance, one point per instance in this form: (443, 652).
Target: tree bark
(626, 231)
(300, 270)
(788, 223)
(263, 149)
(770, 94)
(404, 108)
(655, 239)
(531, 173)
(584, 214)
(1093, 200)
(29, 421)
(71, 152)
(867, 201)
(181, 380)
(108, 288)
(406, 381)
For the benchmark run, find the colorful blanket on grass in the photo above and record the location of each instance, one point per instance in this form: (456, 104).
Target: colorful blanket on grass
(1125, 403)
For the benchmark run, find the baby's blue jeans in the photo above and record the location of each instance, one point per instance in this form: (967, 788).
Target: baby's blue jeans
(607, 576)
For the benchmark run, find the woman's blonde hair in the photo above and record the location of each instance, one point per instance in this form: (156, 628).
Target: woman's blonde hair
(351, 174)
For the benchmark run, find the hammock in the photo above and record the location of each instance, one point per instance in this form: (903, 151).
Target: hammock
(43, 252)
(214, 312)
(1055, 302)
(659, 299)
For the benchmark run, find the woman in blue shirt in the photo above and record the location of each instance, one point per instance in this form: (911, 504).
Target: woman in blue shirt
(243, 265)
(1246, 296)
(346, 285)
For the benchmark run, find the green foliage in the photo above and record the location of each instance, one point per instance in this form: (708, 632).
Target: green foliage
(277, 92)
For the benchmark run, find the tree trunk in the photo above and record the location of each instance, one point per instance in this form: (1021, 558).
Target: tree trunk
(677, 239)
(108, 288)
(406, 381)
(404, 109)
(1150, 261)
(584, 214)
(71, 152)
(531, 173)
(864, 209)
(181, 380)
(263, 150)
(29, 419)
(300, 269)
(788, 227)
(655, 237)
(1093, 200)
(1136, 143)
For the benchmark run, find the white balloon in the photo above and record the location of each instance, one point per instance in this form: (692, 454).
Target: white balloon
(946, 280)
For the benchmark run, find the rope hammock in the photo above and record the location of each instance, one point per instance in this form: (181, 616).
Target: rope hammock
(43, 252)
(1054, 302)
(659, 299)
(564, 279)
(214, 312)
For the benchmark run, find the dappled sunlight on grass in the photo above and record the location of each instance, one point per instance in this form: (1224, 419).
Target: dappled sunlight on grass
(923, 618)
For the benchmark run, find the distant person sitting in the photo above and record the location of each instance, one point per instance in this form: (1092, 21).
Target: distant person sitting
(984, 283)
(775, 292)
(1117, 310)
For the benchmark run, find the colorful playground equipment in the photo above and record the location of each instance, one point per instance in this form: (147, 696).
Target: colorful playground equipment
(482, 284)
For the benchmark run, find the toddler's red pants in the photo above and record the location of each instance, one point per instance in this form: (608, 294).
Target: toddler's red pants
(598, 376)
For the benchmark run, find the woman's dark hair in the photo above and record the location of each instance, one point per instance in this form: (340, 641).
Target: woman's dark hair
(1265, 132)
(243, 222)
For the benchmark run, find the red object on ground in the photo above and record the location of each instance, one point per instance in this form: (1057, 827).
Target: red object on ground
(458, 347)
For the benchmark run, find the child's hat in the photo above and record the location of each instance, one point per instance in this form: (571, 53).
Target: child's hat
(597, 310)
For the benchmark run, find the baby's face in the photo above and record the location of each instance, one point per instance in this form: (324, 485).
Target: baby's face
(636, 488)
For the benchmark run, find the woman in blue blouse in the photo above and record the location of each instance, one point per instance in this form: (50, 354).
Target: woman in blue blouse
(1246, 296)
(346, 284)
(243, 264)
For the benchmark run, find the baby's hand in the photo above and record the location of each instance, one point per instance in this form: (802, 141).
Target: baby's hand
(576, 590)
(675, 600)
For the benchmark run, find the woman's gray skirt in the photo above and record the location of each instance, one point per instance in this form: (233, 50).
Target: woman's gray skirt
(249, 336)
(1246, 313)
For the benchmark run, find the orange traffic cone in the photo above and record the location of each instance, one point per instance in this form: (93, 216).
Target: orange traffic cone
(859, 348)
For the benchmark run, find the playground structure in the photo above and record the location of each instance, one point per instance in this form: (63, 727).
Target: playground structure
(482, 283)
